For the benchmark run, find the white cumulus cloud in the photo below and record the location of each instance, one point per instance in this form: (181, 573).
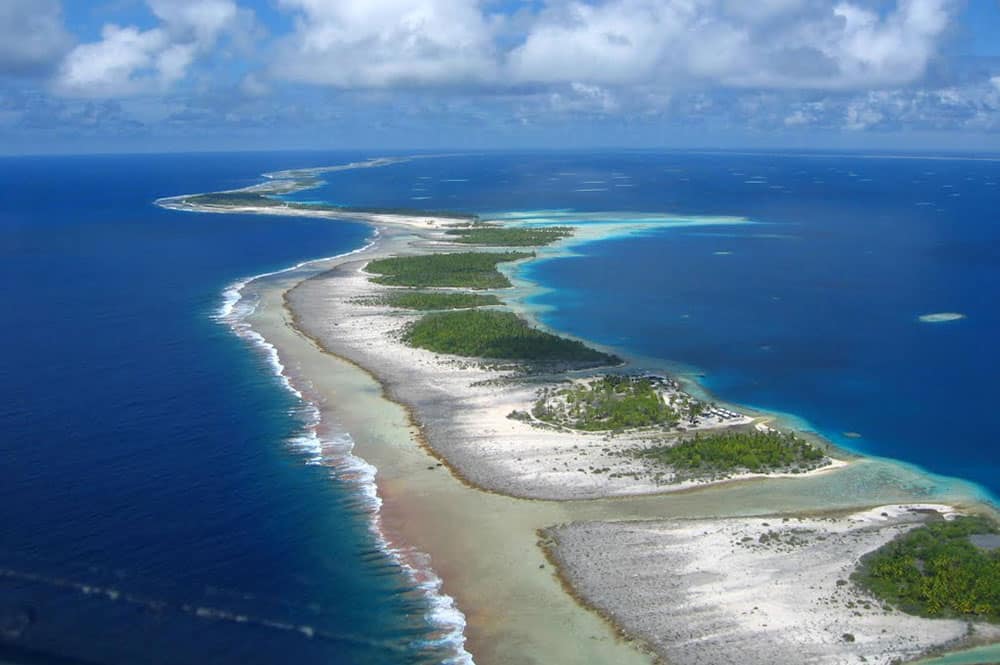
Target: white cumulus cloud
(32, 36)
(386, 43)
(128, 60)
(804, 44)
(668, 44)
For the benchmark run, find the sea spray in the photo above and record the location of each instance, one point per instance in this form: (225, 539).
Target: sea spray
(336, 453)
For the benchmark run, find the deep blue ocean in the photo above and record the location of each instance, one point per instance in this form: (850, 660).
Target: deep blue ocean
(150, 491)
(149, 494)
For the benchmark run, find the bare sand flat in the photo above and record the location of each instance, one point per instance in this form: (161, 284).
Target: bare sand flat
(755, 590)
(383, 219)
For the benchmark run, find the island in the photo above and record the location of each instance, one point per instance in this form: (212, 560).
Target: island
(941, 317)
(552, 496)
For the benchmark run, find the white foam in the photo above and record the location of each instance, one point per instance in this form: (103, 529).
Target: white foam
(337, 454)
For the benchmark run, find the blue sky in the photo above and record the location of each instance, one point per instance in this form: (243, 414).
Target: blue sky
(158, 75)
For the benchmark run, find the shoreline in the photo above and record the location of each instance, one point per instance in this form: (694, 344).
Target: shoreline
(348, 467)
(390, 486)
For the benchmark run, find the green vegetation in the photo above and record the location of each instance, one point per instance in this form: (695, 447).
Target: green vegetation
(935, 570)
(423, 300)
(499, 335)
(468, 269)
(234, 199)
(740, 450)
(510, 237)
(620, 402)
(607, 403)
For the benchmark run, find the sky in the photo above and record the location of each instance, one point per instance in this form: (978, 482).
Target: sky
(81, 76)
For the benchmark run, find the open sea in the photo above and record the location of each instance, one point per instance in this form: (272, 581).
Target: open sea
(158, 503)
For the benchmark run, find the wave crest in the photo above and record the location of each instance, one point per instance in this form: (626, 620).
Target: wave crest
(337, 454)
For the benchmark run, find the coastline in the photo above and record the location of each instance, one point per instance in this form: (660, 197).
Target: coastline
(336, 452)
(421, 506)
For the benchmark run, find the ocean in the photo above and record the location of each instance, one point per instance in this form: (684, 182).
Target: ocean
(158, 495)
(157, 498)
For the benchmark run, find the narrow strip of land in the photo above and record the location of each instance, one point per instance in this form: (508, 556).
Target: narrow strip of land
(493, 413)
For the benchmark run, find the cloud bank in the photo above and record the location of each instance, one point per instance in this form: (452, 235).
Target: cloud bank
(780, 66)
(781, 44)
(32, 36)
(386, 43)
(128, 61)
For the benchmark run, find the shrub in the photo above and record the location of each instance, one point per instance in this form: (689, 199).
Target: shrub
(742, 450)
(510, 237)
(935, 570)
(492, 334)
(477, 270)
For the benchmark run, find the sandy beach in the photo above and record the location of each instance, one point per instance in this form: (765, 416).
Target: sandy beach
(478, 498)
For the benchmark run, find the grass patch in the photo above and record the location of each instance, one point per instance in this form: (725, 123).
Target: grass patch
(607, 403)
(232, 199)
(421, 300)
(510, 237)
(474, 270)
(496, 335)
(936, 571)
(738, 451)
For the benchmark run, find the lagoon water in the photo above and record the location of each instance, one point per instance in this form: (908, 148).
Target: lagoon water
(153, 486)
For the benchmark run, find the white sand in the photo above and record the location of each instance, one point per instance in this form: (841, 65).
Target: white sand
(414, 222)
(713, 591)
